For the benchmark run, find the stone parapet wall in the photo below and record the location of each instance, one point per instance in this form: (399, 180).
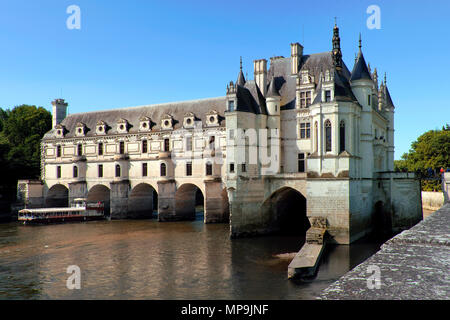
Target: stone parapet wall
(412, 266)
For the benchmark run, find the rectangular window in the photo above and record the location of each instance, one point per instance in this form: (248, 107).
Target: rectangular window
(58, 151)
(75, 171)
(189, 144)
(305, 99)
(100, 149)
(144, 146)
(244, 168)
(301, 162)
(144, 170)
(209, 169)
(58, 172)
(100, 171)
(368, 100)
(231, 167)
(189, 169)
(231, 106)
(80, 150)
(305, 130)
(328, 96)
(166, 145)
(122, 147)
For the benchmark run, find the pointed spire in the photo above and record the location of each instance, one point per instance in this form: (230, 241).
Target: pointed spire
(272, 90)
(360, 70)
(241, 79)
(360, 45)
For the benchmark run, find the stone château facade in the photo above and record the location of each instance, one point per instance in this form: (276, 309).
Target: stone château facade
(328, 132)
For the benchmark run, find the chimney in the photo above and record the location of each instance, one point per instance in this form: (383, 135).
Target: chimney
(59, 111)
(296, 55)
(260, 72)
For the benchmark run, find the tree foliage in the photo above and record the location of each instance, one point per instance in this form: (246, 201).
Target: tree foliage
(21, 130)
(430, 152)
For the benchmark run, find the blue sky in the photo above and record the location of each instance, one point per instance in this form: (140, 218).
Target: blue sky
(137, 52)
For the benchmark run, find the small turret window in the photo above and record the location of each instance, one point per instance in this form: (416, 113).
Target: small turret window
(163, 170)
(328, 96)
(231, 106)
(118, 171)
(369, 100)
(75, 171)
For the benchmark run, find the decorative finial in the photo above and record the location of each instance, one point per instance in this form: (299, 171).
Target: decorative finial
(385, 78)
(335, 21)
(360, 41)
(241, 63)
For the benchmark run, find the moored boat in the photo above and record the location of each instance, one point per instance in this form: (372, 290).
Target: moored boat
(81, 210)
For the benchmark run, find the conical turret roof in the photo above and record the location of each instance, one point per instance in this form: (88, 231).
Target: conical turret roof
(360, 70)
(272, 90)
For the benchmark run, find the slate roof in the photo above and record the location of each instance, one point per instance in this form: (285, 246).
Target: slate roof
(389, 102)
(360, 70)
(249, 97)
(272, 91)
(177, 110)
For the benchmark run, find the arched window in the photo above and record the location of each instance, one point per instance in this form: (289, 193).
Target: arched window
(342, 136)
(163, 170)
(75, 171)
(118, 170)
(316, 136)
(328, 136)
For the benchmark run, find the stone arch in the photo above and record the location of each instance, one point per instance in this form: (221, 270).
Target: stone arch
(188, 197)
(101, 193)
(57, 197)
(142, 201)
(285, 212)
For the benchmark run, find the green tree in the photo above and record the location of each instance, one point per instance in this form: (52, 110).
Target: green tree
(21, 130)
(430, 151)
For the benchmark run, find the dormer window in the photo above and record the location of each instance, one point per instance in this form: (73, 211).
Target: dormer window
(305, 99)
(100, 128)
(145, 124)
(122, 126)
(60, 131)
(212, 118)
(80, 129)
(167, 122)
(189, 120)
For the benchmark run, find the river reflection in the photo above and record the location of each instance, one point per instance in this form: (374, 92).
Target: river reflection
(150, 260)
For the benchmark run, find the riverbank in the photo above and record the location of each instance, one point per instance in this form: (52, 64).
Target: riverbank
(413, 266)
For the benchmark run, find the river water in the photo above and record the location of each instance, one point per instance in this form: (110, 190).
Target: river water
(146, 259)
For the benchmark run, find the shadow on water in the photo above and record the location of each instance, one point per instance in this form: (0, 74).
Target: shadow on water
(145, 259)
